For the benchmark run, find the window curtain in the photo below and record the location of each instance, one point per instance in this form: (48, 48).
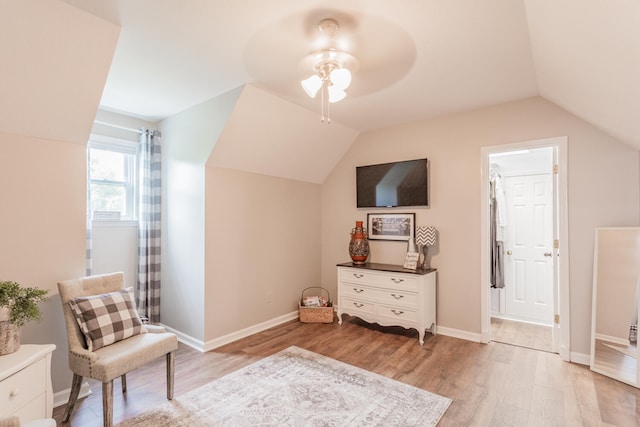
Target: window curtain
(149, 237)
(89, 241)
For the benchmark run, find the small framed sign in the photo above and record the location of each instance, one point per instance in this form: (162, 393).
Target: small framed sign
(411, 261)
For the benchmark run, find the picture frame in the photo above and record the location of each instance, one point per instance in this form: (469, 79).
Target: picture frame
(391, 226)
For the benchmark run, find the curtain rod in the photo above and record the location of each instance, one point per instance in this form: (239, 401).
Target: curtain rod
(100, 122)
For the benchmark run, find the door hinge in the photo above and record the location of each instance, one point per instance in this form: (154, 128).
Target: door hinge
(556, 244)
(555, 169)
(556, 319)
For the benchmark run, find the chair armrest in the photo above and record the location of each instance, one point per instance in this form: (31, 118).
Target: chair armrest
(81, 360)
(155, 329)
(83, 353)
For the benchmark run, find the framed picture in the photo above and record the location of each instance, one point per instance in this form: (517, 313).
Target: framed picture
(396, 226)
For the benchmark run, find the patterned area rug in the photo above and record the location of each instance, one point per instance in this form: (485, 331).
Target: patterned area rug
(296, 387)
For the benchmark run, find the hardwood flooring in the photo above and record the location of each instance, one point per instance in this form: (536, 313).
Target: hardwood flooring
(490, 384)
(523, 334)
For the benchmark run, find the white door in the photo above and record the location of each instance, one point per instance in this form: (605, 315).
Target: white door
(528, 248)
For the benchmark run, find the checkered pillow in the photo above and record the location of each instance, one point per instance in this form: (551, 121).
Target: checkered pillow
(106, 319)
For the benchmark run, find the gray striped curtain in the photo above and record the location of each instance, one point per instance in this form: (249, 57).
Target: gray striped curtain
(89, 240)
(149, 237)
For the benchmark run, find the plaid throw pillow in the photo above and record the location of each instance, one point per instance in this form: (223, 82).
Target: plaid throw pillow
(106, 319)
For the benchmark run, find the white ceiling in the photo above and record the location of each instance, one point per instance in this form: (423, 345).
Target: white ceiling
(418, 58)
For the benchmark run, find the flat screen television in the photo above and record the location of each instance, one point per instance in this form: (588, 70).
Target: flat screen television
(404, 183)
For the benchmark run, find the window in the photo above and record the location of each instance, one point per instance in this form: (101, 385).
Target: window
(112, 179)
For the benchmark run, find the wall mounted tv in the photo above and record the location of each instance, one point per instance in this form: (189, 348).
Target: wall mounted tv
(394, 184)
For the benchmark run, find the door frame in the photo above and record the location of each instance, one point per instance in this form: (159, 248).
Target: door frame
(561, 266)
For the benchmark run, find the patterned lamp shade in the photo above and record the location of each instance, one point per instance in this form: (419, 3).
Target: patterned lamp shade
(426, 236)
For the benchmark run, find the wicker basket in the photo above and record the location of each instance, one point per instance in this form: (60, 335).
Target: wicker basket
(316, 314)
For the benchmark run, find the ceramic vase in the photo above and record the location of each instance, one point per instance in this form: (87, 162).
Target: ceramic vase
(411, 245)
(359, 244)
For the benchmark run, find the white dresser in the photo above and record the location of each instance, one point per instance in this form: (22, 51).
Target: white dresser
(388, 295)
(25, 383)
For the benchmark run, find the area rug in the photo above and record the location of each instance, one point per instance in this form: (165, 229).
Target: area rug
(296, 387)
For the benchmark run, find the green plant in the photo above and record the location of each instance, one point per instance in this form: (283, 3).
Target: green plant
(22, 302)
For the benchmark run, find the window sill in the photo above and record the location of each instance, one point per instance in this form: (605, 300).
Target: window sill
(121, 223)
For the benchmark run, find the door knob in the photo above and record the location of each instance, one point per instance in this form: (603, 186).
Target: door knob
(547, 254)
(509, 252)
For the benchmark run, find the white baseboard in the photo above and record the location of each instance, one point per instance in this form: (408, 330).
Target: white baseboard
(62, 397)
(457, 333)
(581, 358)
(185, 339)
(612, 340)
(202, 346)
(243, 333)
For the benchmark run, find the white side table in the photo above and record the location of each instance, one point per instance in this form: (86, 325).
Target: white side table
(25, 383)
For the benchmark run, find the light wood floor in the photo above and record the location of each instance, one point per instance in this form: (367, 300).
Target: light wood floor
(490, 384)
(528, 335)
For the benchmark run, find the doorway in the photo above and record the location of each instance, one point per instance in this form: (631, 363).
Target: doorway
(525, 286)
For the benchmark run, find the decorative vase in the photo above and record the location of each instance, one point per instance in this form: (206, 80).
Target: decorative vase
(359, 244)
(9, 338)
(411, 245)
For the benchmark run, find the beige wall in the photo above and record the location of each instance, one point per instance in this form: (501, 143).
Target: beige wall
(55, 61)
(42, 229)
(262, 247)
(187, 141)
(603, 190)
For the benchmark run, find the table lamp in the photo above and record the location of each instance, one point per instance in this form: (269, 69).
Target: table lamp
(425, 237)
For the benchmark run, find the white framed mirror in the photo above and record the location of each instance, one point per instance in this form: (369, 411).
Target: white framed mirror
(616, 298)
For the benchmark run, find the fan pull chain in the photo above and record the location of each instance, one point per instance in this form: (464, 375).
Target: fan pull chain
(322, 103)
(328, 108)
(325, 88)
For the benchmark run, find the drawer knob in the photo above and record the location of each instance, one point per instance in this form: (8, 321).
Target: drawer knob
(397, 280)
(357, 291)
(397, 296)
(397, 312)
(359, 305)
(15, 392)
(358, 276)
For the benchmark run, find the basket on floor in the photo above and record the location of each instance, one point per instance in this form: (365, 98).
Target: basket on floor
(316, 314)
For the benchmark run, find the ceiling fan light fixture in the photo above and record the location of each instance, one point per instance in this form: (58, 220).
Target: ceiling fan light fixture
(336, 94)
(341, 78)
(312, 85)
(330, 67)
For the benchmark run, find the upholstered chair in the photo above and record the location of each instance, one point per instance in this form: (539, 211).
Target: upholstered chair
(98, 352)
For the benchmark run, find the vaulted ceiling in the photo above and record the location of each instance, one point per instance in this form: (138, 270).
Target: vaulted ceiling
(417, 58)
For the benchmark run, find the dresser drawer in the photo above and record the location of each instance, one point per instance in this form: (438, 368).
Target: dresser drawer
(386, 279)
(396, 313)
(393, 297)
(385, 296)
(350, 305)
(22, 387)
(33, 410)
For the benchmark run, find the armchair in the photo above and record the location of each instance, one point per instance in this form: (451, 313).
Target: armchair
(113, 359)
